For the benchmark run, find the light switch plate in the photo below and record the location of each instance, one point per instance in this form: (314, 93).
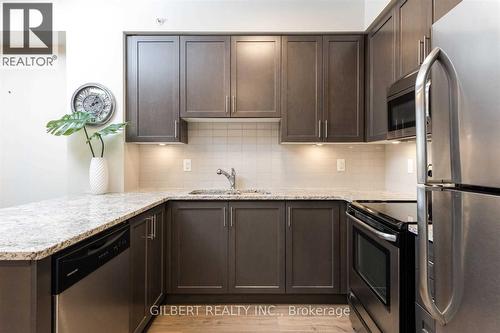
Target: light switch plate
(186, 164)
(410, 165)
(340, 165)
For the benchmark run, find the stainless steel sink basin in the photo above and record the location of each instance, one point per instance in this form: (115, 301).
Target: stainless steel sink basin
(229, 192)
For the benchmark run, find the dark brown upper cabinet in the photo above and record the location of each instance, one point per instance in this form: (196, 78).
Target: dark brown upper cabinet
(441, 7)
(414, 25)
(313, 247)
(257, 247)
(302, 88)
(199, 247)
(343, 101)
(322, 89)
(255, 76)
(382, 55)
(153, 90)
(205, 76)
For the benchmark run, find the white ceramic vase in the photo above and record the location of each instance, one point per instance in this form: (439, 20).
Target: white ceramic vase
(98, 175)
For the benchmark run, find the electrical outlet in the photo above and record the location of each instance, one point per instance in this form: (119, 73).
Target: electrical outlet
(340, 165)
(410, 165)
(186, 164)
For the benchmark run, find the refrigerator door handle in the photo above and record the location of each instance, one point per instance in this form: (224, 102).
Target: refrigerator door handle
(422, 90)
(444, 316)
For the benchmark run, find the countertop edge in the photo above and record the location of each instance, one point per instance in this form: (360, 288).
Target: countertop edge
(48, 251)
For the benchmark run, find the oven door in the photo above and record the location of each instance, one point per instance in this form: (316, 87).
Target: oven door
(374, 274)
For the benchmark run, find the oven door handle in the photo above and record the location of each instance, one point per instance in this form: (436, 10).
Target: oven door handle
(378, 233)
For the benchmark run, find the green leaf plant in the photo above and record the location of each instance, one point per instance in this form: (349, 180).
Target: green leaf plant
(76, 121)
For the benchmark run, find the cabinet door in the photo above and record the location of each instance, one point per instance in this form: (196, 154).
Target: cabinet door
(205, 78)
(312, 247)
(255, 76)
(257, 247)
(414, 23)
(199, 247)
(382, 73)
(441, 7)
(302, 90)
(343, 108)
(153, 89)
(138, 273)
(156, 258)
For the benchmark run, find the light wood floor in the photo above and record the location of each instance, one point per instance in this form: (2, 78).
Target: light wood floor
(208, 319)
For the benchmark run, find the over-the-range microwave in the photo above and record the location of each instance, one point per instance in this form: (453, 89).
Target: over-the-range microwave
(401, 108)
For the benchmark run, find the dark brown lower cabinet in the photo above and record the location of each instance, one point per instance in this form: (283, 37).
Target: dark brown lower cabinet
(257, 247)
(312, 247)
(199, 247)
(147, 270)
(26, 296)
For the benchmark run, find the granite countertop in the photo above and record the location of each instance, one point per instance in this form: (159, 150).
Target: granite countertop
(37, 230)
(413, 228)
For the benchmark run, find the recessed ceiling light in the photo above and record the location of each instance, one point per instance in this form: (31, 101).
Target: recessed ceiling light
(395, 142)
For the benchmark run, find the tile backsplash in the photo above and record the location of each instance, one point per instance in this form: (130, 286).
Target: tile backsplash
(254, 151)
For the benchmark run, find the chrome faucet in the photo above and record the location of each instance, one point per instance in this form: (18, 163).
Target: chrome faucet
(230, 177)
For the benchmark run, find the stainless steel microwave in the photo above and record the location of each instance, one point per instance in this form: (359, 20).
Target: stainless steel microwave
(401, 108)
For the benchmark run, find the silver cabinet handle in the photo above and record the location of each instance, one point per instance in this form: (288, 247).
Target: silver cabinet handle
(231, 217)
(378, 233)
(149, 221)
(419, 61)
(319, 129)
(421, 51)
(326, 129)
(422, 90)
(176, 126)
(426, 46)
(154, 226)
(233, 107)
(224, 212)
(226, 104)
(289, 217)
(452, 307)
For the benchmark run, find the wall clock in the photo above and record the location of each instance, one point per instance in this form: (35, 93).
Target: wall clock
(96, 100)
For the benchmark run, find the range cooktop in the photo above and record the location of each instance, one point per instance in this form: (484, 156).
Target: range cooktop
(394, 213)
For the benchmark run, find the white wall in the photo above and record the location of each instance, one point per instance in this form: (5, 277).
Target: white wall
(372, 8)
(32, 163)
(397, 177)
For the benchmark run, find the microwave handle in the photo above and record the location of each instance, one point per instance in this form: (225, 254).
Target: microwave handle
(422, 113)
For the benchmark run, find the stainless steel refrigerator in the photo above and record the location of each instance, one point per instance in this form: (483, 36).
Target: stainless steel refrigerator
(461, 195)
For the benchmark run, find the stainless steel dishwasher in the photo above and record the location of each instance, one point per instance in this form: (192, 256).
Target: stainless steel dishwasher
(91, 286)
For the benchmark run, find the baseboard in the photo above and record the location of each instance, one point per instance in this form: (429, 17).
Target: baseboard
(257, 298)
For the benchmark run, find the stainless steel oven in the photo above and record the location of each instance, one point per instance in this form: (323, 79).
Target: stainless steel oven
(401, 108)
(378, 277)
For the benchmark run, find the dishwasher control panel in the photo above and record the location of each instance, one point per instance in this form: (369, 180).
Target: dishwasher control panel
(72, 266)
